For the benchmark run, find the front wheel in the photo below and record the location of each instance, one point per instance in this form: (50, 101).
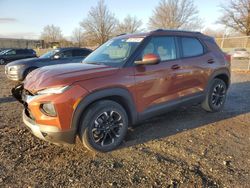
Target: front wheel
(216, 96)
(104, 126)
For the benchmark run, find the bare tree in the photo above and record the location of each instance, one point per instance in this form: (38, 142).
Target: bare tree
(129, 25)
(100, 23)
(236, 15)
(51, 33)
(175, 14)
(214, 33)
(78, 37)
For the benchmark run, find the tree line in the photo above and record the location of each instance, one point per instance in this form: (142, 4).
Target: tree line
(101, 24)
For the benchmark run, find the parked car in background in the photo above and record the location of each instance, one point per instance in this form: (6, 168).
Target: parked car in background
(2, 49)
(18, 70)
(15, 54)
(239, 53)
(128, 79)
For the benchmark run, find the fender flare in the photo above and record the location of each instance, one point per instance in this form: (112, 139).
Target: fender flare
(124, 94)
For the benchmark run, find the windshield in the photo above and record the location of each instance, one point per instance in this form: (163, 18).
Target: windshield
(49, 54)
(3, 52)
(115, 52)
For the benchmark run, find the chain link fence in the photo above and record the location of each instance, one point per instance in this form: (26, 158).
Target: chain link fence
(228, 44)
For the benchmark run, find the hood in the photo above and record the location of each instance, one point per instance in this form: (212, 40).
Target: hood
(24, 61)
(66, 74)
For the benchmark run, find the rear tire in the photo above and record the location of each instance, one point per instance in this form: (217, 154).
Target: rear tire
(103, 126)
(216, 96)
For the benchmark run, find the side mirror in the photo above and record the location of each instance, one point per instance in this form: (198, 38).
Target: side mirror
(149, 59)
(56, 57)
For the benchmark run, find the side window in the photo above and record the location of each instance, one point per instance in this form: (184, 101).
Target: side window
(20, 52)
(66, 54)
(82, 53)
(27, 51)
(11, 52)
(164, 47)
(191, 47)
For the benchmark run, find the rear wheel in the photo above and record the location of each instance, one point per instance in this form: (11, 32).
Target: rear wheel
(104, 126)
(216, 96)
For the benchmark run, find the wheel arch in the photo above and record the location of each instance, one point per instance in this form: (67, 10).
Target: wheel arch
(222, 74)
(120, 95)
(26, 71)
(223, 77)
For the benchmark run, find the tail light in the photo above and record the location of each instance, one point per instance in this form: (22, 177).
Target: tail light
(227, 57)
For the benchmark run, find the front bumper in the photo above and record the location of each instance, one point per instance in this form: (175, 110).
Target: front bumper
(49, 133)
(56, 129)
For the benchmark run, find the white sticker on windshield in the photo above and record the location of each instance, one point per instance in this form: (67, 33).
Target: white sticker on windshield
(134, 39)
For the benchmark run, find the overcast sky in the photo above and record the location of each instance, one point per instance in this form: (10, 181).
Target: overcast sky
(26, 18)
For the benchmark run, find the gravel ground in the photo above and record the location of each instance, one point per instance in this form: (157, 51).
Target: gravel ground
(184, 148)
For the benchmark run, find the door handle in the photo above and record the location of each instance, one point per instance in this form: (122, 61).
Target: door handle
(174, 67)
(210, 61)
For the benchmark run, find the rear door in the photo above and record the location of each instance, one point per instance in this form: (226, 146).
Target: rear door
(21, 54)
(195, 66)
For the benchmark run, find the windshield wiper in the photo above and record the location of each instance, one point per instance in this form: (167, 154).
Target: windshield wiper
(95, 63)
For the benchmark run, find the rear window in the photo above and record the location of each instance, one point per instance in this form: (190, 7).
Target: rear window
(191, 47)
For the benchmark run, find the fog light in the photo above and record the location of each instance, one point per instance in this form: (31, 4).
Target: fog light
(48, 109)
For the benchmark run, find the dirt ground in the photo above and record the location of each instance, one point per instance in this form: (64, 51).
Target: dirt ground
(184, 148)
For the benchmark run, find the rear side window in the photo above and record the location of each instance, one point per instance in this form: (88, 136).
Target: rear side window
(66, 54)
(80, 53)
(191, 47)
(20, 52)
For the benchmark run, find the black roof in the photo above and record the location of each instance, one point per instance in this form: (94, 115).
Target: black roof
(175, 30)
(162, 31)
(73, 48)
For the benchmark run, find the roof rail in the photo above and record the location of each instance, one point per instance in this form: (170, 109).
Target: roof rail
(174, 30)
(121, 34)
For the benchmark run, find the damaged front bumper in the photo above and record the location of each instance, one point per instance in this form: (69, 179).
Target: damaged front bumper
(48, 133)
(45, 132)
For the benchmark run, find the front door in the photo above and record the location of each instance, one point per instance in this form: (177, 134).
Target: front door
(155, 83)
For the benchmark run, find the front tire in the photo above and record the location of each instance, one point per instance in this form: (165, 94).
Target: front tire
(104, 126)
(216, 96)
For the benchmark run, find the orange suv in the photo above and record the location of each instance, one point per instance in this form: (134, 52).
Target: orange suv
(126, 80)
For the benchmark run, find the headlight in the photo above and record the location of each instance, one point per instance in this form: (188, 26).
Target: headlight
(48, 109)
(55, 90)
(15, 67)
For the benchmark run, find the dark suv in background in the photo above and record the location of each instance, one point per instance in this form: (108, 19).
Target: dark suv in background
(18, 70)
(128, 79)
(15, 54)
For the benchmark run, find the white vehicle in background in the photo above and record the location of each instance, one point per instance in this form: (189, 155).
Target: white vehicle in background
(239, 53)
